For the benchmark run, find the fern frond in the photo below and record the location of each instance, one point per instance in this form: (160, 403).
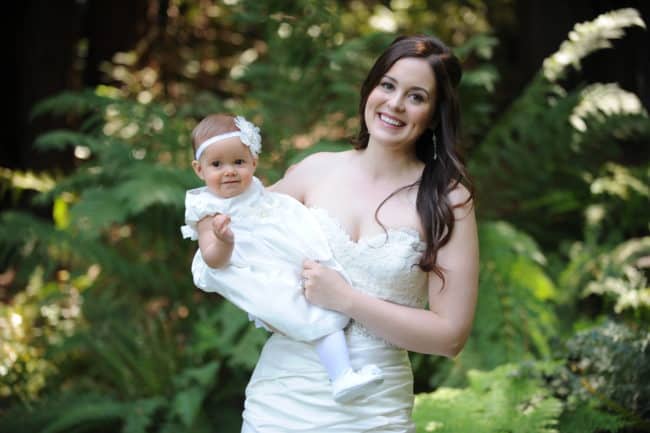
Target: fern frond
(585, 38)
(537, 159)
(47, 245)
(123, 357)
(141, 414)
(588, 418)
(513, 319)
(86, 416)
(61, 139)
(614, 273)
(65, 412)
(70, 102)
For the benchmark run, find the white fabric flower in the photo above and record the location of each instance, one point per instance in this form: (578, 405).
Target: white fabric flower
(250, 135)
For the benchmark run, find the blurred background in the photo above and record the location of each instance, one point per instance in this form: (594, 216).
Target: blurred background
(101, 328)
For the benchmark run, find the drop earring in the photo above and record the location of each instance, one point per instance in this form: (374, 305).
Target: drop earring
(435, 146)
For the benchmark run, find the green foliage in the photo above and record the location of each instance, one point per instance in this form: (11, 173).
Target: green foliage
(116, 216)
(38, 317)
(67, 412)
(41, 243)
(477, 87)
(509, 398)
(522, 397)
(554, 141)
(587, 417)
(223, 332)
(147, 378)
(619, 195)
(138, 359)
(514, 318)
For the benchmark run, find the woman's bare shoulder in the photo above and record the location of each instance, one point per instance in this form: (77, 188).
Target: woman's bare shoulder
(461, 200)
(301, 175)
(322, 158)
(316, 164)
(459, 194)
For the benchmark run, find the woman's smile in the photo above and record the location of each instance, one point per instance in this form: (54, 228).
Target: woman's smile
(390, 120)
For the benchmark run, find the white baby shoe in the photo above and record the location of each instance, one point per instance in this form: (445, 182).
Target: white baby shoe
(353, 384)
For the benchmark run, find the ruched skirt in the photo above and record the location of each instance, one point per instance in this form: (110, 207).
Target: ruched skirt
(289, 390)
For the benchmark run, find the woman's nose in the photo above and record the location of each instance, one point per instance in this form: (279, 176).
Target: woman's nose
(396, 102)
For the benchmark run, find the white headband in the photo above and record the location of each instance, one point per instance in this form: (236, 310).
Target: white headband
(249, 135)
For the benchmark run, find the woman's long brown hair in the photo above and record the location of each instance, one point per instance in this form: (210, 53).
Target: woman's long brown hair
(440, 175)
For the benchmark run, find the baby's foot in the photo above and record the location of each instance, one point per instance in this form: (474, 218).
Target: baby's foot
(353, 384)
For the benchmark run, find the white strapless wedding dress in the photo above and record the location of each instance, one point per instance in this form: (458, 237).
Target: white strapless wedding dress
(289, 390)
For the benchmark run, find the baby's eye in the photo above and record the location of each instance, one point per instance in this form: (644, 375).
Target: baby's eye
(216, 163)
(240, 161)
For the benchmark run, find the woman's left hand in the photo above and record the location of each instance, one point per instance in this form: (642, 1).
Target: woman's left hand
(323, 286)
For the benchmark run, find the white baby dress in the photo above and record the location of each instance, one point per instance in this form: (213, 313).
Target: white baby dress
(274, 234)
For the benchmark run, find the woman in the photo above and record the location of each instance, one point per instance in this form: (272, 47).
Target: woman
(398, 214)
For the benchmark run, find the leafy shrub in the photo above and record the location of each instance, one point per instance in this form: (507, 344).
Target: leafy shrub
(611, 363)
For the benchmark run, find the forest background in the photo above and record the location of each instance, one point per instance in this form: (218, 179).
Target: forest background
(101, 328)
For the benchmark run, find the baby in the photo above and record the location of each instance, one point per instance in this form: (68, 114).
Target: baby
(255, 241)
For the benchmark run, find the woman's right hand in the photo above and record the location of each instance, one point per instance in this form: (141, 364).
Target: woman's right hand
(221, 228)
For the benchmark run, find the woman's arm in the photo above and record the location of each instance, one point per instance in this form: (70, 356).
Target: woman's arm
(216, 240)
(442, 329)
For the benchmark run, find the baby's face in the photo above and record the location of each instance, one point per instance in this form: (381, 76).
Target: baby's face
(226, 167)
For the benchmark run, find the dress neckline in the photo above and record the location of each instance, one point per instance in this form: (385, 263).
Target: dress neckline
(410, 232)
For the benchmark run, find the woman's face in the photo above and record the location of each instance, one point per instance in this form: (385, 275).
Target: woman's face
(400, 107)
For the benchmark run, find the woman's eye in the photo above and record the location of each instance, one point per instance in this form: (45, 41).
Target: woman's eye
(387, 85)
(417, 98)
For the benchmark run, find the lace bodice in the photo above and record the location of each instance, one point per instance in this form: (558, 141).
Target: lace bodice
(382, 265)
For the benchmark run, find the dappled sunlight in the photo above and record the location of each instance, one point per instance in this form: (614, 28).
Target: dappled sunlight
(82, 152)
(618, 181)
(17, 179)
(383, 19)
(284, 30)
(35, 322)
(332, 129)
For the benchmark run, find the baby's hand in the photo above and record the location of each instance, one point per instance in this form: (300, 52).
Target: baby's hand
(221, 228)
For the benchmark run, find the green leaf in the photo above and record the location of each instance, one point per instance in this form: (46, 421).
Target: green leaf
(84, 415)
(141, 414)
(96, 210)
(187, 404)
